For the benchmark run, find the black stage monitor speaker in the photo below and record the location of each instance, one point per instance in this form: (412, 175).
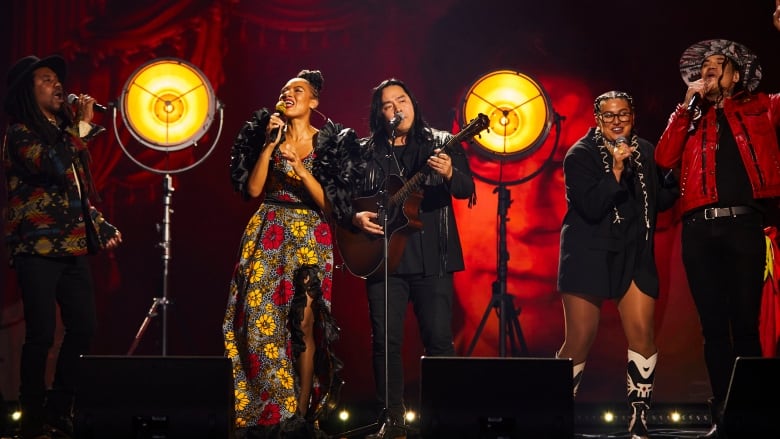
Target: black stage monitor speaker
(145, 397)
(486, 398)
(753, 401)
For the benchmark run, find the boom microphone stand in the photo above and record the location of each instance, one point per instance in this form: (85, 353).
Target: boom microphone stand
(503, 303)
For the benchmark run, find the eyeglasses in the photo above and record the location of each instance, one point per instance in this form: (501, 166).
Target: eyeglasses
(623, 116)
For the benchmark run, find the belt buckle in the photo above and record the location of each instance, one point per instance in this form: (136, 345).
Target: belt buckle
(710, 213)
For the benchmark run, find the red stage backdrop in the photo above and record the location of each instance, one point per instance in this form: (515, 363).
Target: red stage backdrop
(249, 49)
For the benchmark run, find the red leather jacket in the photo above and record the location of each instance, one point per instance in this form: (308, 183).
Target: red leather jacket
(753, 119)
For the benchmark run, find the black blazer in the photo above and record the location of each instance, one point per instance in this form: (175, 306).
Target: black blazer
(608, 230)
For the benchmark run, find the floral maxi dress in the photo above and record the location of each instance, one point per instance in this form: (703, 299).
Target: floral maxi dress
(285, 233)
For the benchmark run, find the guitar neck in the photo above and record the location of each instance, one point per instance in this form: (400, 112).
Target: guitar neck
(414, 183)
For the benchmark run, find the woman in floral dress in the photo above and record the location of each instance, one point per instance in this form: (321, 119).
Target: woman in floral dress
(278, 313)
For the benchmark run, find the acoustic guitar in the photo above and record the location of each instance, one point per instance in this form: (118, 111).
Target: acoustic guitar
(363, 253)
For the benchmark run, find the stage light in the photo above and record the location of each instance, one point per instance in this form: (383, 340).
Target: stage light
(519, 110)
(344, 415)
(520, 117)
(168, 104)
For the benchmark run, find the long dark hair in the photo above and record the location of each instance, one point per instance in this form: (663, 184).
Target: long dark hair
(740, 86)
(420, 131)
(22, 107)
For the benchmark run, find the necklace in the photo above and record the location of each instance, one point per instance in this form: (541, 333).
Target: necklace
(399, 160)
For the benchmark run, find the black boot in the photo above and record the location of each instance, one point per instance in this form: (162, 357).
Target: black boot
(33, 416)
(577, 371)
(59, 413)
(716, 414)
(640, 377)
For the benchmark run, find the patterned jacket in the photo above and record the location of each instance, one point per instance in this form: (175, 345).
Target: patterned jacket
(48, 211)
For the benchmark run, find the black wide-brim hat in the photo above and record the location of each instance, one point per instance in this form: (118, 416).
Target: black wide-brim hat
(25, 66)
(693, 57)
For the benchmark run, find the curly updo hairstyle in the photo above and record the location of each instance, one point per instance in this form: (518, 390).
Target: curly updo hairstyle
(315, 79)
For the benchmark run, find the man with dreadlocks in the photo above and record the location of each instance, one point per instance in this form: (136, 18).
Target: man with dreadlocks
(613, 192)
(51, 226)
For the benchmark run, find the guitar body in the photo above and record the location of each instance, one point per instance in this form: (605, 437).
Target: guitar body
(363, 254)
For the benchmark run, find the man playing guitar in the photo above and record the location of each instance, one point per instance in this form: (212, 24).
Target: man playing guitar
(406, 150)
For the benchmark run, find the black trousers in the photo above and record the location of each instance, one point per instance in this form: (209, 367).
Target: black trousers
(45, 283)
(724, 260)
(431, 298)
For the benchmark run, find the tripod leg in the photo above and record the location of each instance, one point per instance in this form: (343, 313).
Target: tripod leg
(481, 326)
(519, 330)
(145, 324)
(513, 328)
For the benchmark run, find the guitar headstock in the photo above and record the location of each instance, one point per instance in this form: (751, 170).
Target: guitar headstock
(474, 127)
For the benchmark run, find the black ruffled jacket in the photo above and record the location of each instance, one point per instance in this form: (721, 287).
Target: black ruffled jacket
(339, 161)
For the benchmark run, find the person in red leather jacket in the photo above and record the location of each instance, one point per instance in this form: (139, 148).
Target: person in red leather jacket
(722, 139)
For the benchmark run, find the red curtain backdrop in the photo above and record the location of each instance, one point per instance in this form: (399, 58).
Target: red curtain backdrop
(248, 49)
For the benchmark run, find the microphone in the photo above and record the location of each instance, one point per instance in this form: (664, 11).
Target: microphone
(694, 103)
(73, 99)
(627, 160)
(396, 119)
(279, 109)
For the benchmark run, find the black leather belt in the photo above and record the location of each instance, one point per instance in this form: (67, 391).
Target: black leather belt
(721, 212)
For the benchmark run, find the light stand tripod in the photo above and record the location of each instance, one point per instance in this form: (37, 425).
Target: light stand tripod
(165, 245)
(167, 116)
(508, 320)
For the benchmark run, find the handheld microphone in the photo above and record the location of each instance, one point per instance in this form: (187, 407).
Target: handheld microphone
(627, 160)
(280, 107)
(73, 99)
(694, 103)
(396, 119)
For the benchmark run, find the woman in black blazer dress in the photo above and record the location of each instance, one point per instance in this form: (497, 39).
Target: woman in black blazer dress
(613, 192)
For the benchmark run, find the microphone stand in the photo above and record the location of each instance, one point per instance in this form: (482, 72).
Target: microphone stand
(384, 421)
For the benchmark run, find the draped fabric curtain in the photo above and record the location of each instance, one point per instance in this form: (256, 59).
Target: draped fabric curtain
(105, 45)
(104, 42)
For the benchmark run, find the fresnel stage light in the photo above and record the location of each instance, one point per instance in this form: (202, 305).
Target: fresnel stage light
(167, 105)
(519, 111)
(520, 117)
